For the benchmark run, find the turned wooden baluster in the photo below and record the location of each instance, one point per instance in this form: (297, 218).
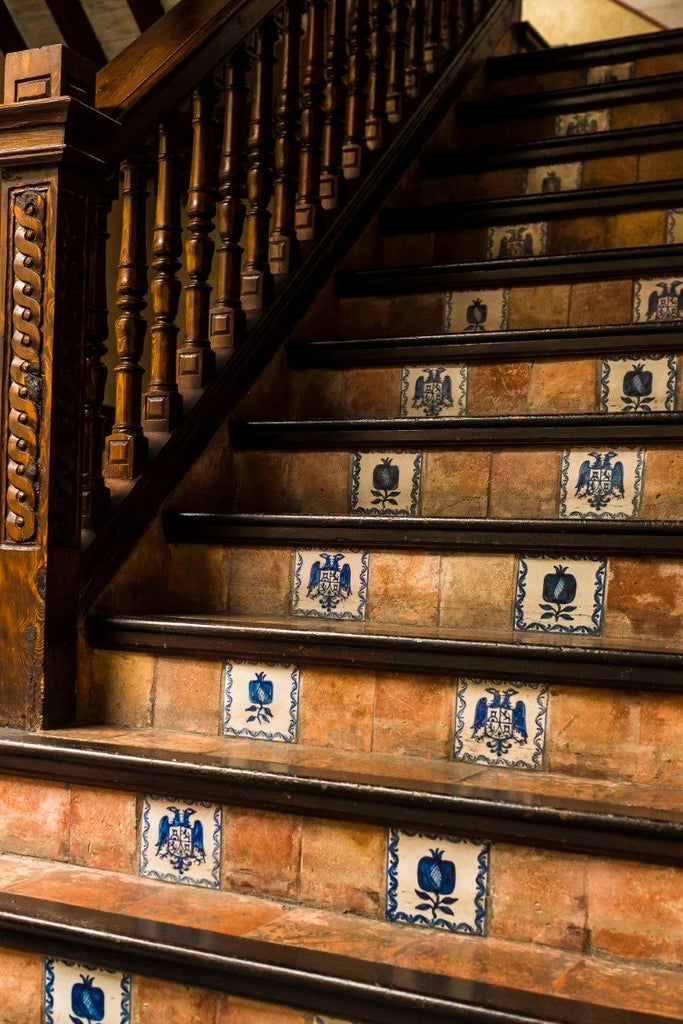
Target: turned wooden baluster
(96, 496)
(162, 402)
(380, 20)
(336, 68)
(449, 22)
(433, 41)
(398, 47)
(196, 362)
(312, 116)
(416, 33)
(354, 151)
(257, 279)
(126, 447)
(227, 322)
(284, 245)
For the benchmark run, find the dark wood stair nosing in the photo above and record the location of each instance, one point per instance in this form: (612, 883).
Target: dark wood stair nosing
(598, 827)
(517, 660)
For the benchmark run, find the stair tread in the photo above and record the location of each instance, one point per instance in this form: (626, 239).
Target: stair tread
(247, 936)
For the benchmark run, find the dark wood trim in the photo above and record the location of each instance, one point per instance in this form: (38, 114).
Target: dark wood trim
(474, 431)
(594, 827)
(403, 220)
(115, 540)
(146, 12)
(582, 97)
(435, 534)
(328, 983)
(576, 266)
(574, 147)
(528, 37)
(490, 346)
(513, 656)
(614, 51)
(74, 24)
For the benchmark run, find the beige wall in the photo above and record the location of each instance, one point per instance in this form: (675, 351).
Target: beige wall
(581, 21)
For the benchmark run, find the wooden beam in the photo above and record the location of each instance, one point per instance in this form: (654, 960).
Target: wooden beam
(146, 12)
(10, 36)
(78, 33)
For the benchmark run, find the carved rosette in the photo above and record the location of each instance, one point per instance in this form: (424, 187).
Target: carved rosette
(28, 207)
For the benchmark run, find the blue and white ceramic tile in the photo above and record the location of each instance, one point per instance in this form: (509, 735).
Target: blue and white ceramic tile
(386, 483)
(587, 122)
(553, 178)
(437, 881)
(610, 73)
(510, 242)
(180, 841)
(674, 227)
(76, 994)
(261, 700)
(602, 484)
(330, 585)
(560, 595)
(500, 724)
(638, 384)
(477, 311)
(433, 391)
(657, 298)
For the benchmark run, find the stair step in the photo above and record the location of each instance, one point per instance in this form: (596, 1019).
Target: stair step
(637, 262)
(473, 159)
(575, 429)
(428, 534)
(401, 220)
(504, 654)
(372, 971)
(545, 342)
(553, 812)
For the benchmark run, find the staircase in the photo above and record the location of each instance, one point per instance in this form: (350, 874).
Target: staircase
(380, 721)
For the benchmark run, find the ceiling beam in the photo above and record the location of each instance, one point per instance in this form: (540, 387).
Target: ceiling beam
(146, 12)
(76, 29)
(11, 38)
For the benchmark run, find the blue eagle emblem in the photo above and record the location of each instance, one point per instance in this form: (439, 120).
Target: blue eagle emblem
(667, 304)
(600, 480)
(516, 242)
(179, 841)
(329, 581)
(432, 391)
(498, 723)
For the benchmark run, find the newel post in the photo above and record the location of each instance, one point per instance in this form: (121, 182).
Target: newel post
(48, 172)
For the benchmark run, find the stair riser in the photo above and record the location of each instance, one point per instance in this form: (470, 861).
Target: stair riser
(609, 907)
(601, 734)
(569, 78)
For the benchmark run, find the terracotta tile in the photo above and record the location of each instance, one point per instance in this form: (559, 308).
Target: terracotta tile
(34, 818)
(658, 64)
(188, 695)
(525, 484)
(413, 715)
(373, 392)
(336, 708)
(260, 481)
(261, 852)
(662, 495)
(456, 484)
(154, 1000)
(21, 985)
(407, 250)
(592, 733)
(416, 314)
(476, 591)
(610, 170)
(86, 887)
(633, 115)
(233, 1010)
(656, 991)
(645, 599)
(563, 386)
(460, 246)
(316, 394)
(15, 869)
(660, 757)
(260, 581)
(642, 227)
(635, 911)
(494, 390)
(319, 483)
(487, 185)
(370, 317)
(601, 302)
(122, 688)
(659, 165)
(403, 587)
(343, 866)
(270, 391)
(103, 829)
(538, 896)
(545, 305)
(197, 577)
(578, 234)
(209, 483)
(191, 907)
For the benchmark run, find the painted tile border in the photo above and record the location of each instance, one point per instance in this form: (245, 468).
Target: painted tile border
(412, 510)
(215, 852)
(540, 722)
(606, 365)
(295, 676)
(591, 514)
(598, 598)
(357, 616)
(460, 403)
(49, 987)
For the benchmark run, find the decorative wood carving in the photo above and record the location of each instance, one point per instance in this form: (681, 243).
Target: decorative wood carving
(398, 48)
(416, 34)
(163, 402)
(336, 69)
(227, 322)
(380, 19)
(354, 152)
(25, 370)
(284, 245)
(312, 115)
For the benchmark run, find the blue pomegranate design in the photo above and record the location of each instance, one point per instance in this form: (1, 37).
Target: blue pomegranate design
(87, 1001)
(637, 389)
(385, 483)
(436, 881)
(559, 590)
(260, 695)
(476, 315)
